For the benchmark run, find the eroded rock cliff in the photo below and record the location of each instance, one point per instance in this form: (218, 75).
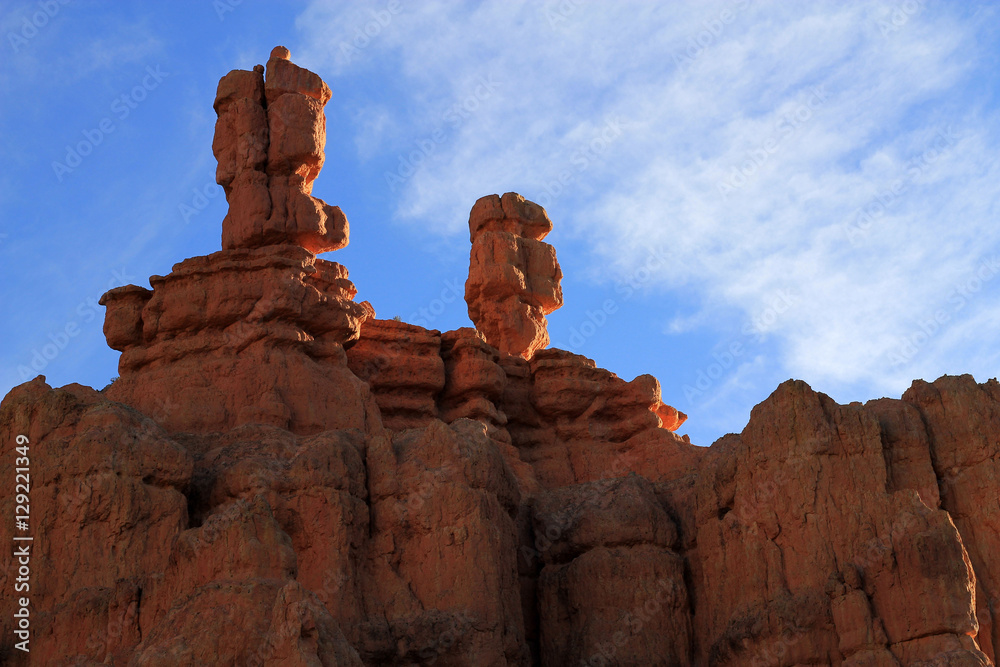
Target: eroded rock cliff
(280, 478)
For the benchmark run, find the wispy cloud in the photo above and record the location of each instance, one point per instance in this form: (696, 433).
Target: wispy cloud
(374, 126)
(754, 134)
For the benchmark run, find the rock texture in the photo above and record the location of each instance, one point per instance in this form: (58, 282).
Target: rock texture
(238, 337)
(279, 478)
(823, 553)
(403, 366)
(269, 142)
(513, 276)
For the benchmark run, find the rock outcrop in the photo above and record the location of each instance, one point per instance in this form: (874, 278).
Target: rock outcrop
(255, 333)
(403, 366)
(279, 478)
(808, 549)
(269, 142)
(513, 276)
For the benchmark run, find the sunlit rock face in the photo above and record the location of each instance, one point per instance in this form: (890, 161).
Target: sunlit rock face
(278, 477)
(513, 276)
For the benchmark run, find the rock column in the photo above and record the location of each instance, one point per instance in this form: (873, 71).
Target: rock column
(513, 276)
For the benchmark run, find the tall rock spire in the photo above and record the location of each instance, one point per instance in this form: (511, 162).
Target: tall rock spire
(269, 141)
(256, 332)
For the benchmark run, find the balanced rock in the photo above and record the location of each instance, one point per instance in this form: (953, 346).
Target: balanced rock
(269, 141)
(513, 276)
(254, 333)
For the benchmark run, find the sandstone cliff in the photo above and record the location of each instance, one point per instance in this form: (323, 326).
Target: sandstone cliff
(280, 478)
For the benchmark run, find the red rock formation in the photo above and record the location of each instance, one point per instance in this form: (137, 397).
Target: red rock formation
(269, 142)
(513, 277)
(962, 419)
(612, 531)
(807, 546)
(256, 332)
(237, 337)
(575, 422)
(278, 478)
(474, 381)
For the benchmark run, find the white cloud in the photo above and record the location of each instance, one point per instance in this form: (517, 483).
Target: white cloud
(374, 125)
(824, 107)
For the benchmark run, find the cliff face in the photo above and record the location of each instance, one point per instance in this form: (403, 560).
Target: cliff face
(280, 478)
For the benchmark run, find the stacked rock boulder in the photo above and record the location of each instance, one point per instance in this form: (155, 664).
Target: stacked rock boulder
(513, 276)
(269, 142)
(279, 478)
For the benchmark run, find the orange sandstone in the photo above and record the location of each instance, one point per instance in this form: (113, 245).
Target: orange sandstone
(513, 276)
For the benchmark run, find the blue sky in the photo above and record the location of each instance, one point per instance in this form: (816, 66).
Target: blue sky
(742, 191)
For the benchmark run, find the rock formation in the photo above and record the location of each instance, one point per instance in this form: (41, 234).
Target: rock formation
(254, 333)
(513, 276)
(269, 142)
(279, 478)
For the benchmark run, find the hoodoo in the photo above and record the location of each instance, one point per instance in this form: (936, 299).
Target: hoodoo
(513, 276)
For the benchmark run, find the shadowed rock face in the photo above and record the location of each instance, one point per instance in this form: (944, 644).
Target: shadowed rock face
(279, 478)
